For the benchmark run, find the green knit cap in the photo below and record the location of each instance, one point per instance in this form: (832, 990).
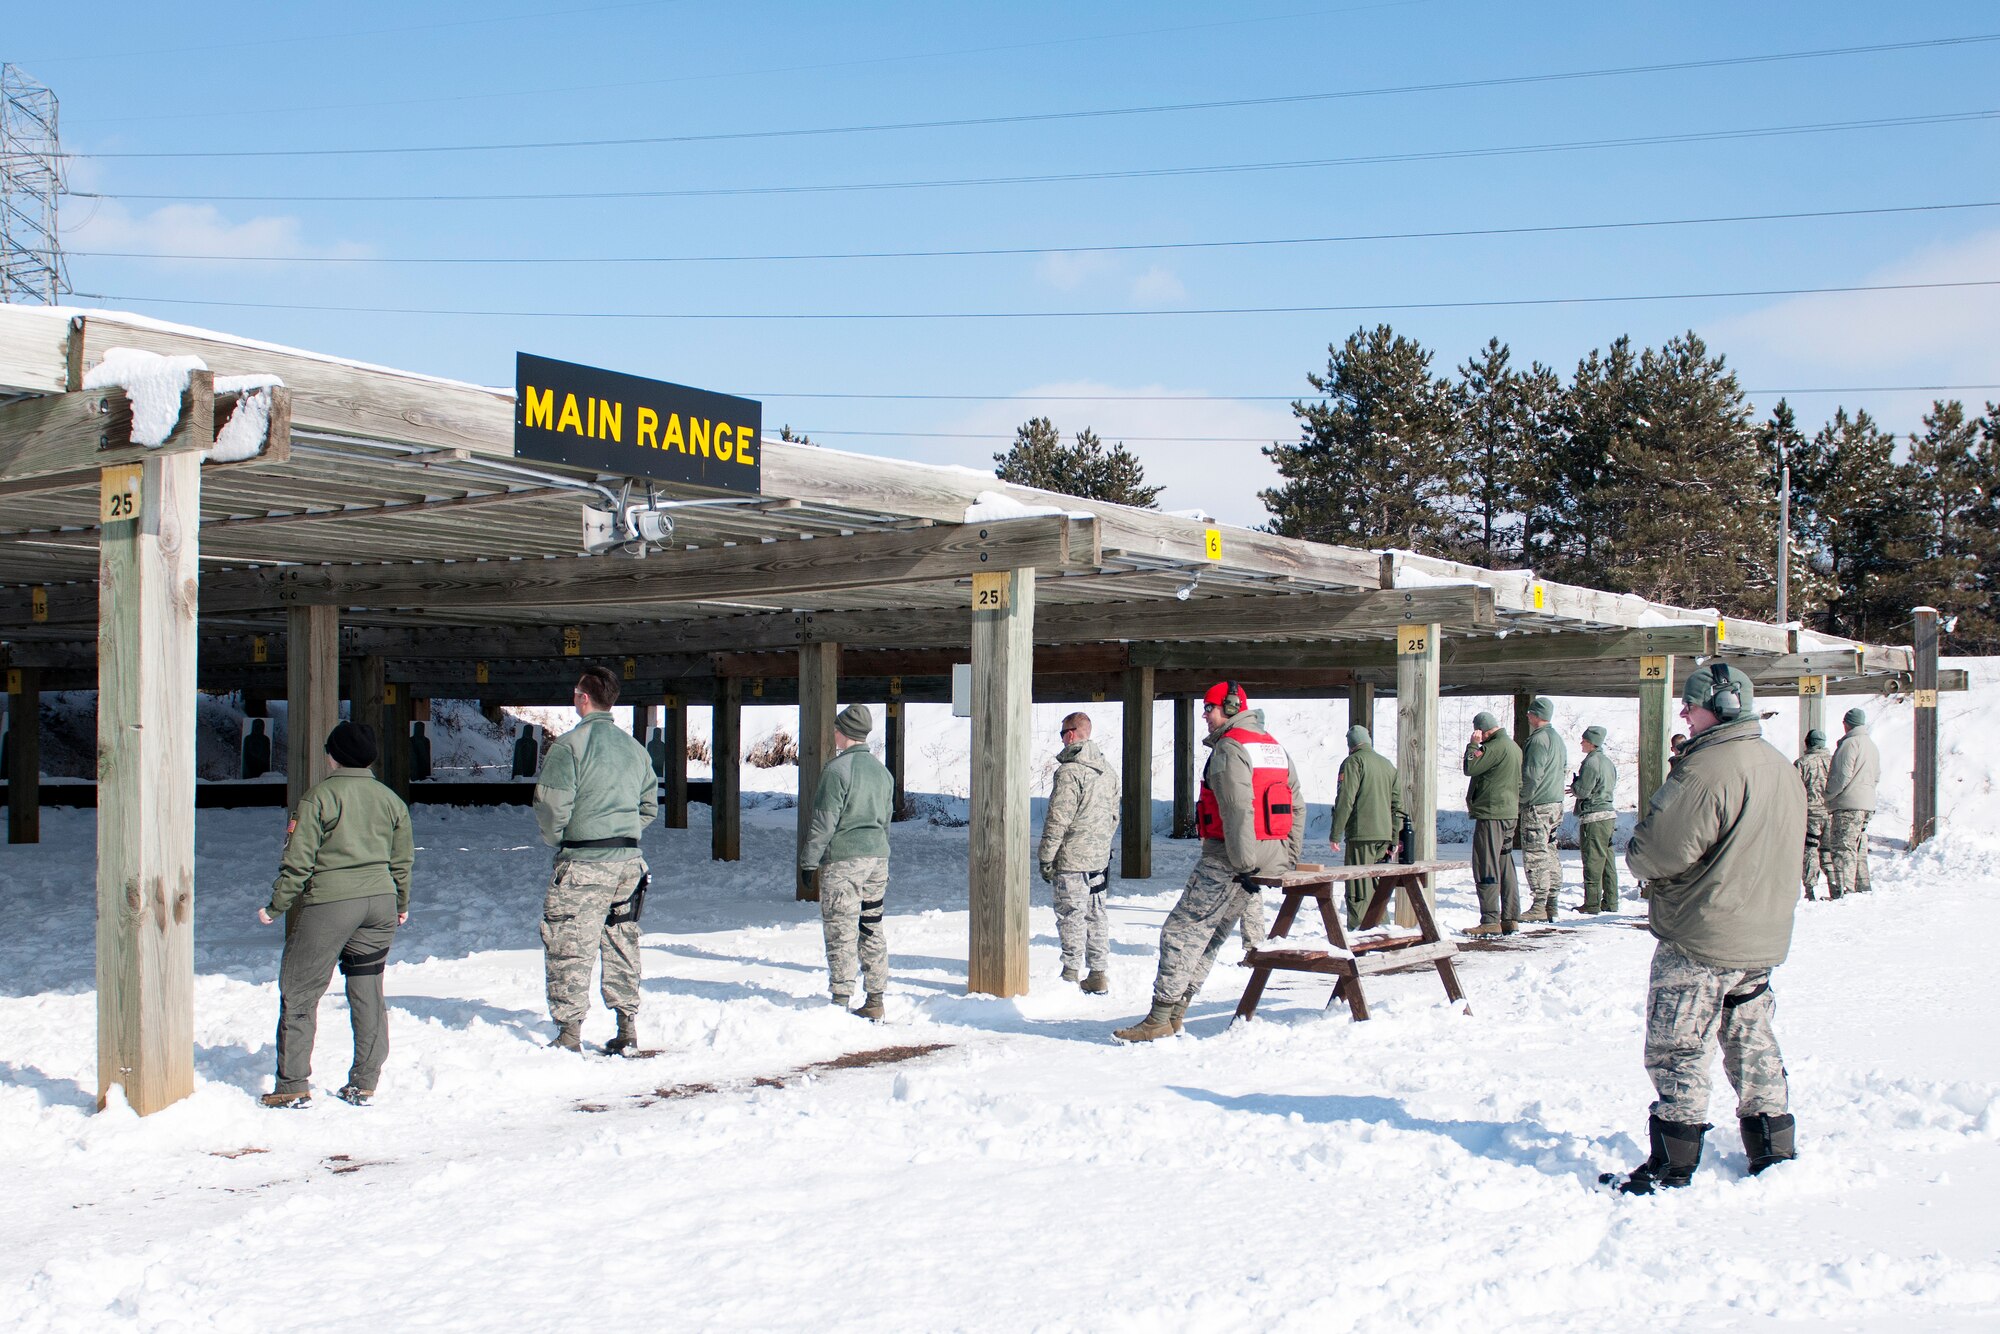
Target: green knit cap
(1594, 735)
(1543, 708)
(1357, 737)
(1856, 718)
(1484, 721)
(855, 722)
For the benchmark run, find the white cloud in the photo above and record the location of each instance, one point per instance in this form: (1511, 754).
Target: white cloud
(1158, 286)
(1069, 273)
(193, 229)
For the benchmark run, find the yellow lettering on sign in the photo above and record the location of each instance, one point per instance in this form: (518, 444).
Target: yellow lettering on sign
(673, 433)
(1413, 639)
(698, 436)
(611, 422)
(725, 448)
(38, 603)
(479, 673)
(989, 591)
(260, 649)
(1653, 667)
(118, 494)
(631, 669)
(745, 437)
(541, 408)
(1812, 685)
(572, 641)
(1211, 543)
(649, 429)
(571, 419)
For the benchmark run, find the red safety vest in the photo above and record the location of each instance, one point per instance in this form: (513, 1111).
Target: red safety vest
(1270, 790)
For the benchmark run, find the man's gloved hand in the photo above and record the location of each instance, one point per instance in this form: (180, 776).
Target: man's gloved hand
(1048, 873)
(1249, 885)
(806, 884)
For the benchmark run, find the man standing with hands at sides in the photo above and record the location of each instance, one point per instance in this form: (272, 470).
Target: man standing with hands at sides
(1252, 823)
(1595, 788)
(1075, 852)
(1493, 800)
(597, 791)
(1367, 813)
(343, 888)
(1815, 767)
(1850, 800)
(1716, 848)
(1543, 764)
(847, 844)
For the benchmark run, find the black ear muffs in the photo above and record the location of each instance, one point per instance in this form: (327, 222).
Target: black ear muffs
(1725, 700)
(1232, 699)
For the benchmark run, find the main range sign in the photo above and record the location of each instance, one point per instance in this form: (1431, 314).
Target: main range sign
(593, 418)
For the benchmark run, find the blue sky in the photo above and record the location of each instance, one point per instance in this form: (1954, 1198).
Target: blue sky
(233, 78)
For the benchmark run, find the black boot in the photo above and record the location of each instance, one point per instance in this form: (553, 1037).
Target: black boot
(1769, 1139)
(1676, 1153)
(628, 1035)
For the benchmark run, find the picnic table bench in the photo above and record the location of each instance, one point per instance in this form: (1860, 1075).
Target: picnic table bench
(1348, 964)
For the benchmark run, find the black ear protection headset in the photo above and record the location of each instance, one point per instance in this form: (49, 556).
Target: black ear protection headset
(1725, 701)
(1233, 699)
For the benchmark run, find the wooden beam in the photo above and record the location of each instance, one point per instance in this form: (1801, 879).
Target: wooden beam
(674, 762)
(367, 688)
(725, 757)
(1656, 720)
(1924, 771)
(643, 721)
(1361, 705)
(145, 790)
(398, 712)
(1135, 824)
(1523, 652)
(62, 440)
(1522, 728)
(1417, 654)
(1184, 779)
(24, 755)
(1812, 707)
(895, 748)
(819, 696)
(1001, 843)
(312, 694)
(1050, 660)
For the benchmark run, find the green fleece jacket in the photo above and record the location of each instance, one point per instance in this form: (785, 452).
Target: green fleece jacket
(1596, 783)
(349, 840)
(850, 812)
(1544, 761)
(1368, 808)
(597, 782)
(1495, 770)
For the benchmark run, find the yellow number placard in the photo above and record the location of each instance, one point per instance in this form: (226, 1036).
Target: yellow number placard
(1211, 543)
(1653, 667)
(1537, 596)
(260, 649)
(1925, 699)
(38, 603)
(1812, 685)
(631, 669)
(895, 685)
(479, 673)
(389, 693)
(13, 680)
(1721, 630)
(1413, 639)
(572, 641)
(671, 702)
(989, 591)
(757, 688)
(895, 708)
(118, 498)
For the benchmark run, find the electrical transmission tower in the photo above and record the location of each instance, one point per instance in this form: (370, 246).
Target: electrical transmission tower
(31, 177)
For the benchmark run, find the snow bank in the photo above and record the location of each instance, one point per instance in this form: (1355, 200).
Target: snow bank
(990, 506)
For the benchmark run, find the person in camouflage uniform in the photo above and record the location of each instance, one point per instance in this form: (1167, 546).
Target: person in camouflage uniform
(1220, 887)
(847, 845)
(1715, 850)
(1367, 815)
(1814, 768)
(1543, 764)
(1075, 853)
(1595, 788)
(1493, 800)
(597, 792)
(1850, 800)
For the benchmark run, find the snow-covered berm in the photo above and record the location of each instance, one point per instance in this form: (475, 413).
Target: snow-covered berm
(1426, 1170)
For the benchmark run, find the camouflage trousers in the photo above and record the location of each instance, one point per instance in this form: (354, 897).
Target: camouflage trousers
(1081, 924)
(1689, 1008)
(851, 892)
(1210, 905)
(1600, 864)
(1815, 852)
(576, 929)
(1535, 836)
(1845, 852)
(1359, 892)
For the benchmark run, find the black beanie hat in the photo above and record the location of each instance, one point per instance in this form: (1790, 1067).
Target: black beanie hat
(352, 745)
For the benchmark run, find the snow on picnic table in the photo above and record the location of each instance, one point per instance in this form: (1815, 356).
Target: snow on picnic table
(1425, 1170)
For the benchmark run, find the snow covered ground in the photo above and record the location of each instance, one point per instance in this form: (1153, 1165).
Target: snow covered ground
(1426, 1170)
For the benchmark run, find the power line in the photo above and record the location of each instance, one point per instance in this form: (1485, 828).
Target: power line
(1462, 232)
(766, 395)
(1144, 173)
(1025, 118)
(1488, 304)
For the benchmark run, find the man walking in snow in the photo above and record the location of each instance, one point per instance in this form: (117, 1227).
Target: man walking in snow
(1543, 763)
(1493, 800)
(1815, 767)
(1715, 848)
(847, 844)
(1595, 789)
(1367, 814)
(597, 791)
(1850, 800)
(1075, 852)
(343, 888)
(1252, 823)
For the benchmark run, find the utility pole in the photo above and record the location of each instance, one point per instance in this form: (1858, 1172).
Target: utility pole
(1784, 535)
(31, 179)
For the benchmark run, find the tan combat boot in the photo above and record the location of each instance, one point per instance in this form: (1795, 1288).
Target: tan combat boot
(1179, 1013)
(871, 1009)
(1158, 1023)
(1097, 983)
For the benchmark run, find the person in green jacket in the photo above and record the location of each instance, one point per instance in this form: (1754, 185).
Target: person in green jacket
(1814, 768)
(1595, 788)
(847, 845)
(1493, 800)
(1367, 815)
(343, 888)
(1543, 764)
(597, 792)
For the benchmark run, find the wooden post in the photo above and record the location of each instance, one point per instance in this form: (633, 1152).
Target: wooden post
(1812, 708)
(1001, 847)
(1417, 653)
(819, 697)
(1135, 821)
(367, 688)
(1924, 772)
(398, 712)
(1656, 720)
(1184, 783)
(674, 775)
(1361, 706)
(642, 723)
(312, 695)
(1522, 729)
(24, 755)
(895, 747)
(725, 757)
(147, 569)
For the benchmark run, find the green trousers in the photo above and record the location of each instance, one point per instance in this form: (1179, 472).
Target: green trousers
(1360, 891)
(1600, 866)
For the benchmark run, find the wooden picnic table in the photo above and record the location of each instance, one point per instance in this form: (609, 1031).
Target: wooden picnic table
(1348, 964)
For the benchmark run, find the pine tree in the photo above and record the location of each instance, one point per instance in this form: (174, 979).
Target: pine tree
(1373, 465)
(1854, 519)
(1497, 437)
(1947, 545)
(786, 433)
(1040, 459)
(1571, 525)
